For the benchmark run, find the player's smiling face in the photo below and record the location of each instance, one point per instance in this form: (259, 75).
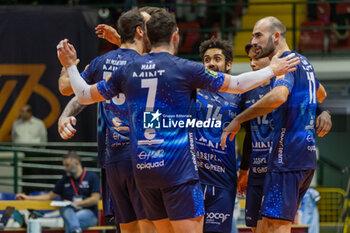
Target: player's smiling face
(214, 60)
(262, 39)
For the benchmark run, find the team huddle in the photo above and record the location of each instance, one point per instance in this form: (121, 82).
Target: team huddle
(166, 126)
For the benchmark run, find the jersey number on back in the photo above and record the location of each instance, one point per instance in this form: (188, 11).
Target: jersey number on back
(151, 84)
(118, 99)
(312, 87)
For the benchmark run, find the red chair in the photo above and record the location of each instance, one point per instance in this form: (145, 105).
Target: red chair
(342, 8)
(312, 39)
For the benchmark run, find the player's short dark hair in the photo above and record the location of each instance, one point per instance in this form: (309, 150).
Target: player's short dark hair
(72, 154)
(248, 47)
(127, 24)
(160, 27)
(277, 26)
(151, 10)
(224, 45)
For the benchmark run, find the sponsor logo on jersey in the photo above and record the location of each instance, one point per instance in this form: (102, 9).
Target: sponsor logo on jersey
(311, 148)
(309, 138)
(143, 155)
(211, 167)
(214, 217)
(151, 120)
(156, 120)
(258, 161)
(261, 145)
(212, 73)
(281, 146)
(150, 165)
(259, 170)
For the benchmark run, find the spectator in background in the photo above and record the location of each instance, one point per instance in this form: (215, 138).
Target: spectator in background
(28, 129)
(78, 186)
(308, 212)
(191, 10)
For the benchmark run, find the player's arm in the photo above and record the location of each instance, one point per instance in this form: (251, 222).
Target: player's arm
(272, 100)
(250, 80)
(86, 94)
(64, 83)
(321, 93)
(67, 119)
(323, 121)
(108, 33)
(242, 179)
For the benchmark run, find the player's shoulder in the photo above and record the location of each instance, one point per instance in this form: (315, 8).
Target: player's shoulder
(303, 60)
(185, 62)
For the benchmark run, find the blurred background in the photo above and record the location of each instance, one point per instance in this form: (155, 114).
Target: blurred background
(29, 71)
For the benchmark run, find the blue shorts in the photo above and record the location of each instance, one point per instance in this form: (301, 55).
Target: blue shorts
(179, 202)
(283, 192)
(219, 205)
(253, 204)
(126, 198)
(107, 202)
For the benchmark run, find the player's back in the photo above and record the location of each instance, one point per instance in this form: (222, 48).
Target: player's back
(160, 90)
(114, 112)
(294, 121)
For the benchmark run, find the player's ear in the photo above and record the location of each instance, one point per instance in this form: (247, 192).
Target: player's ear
(228, 65)
(175, 36)
(276, 37)
(139, 31)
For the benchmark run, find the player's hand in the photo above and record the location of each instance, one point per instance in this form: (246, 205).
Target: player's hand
(242, 182)
(232, 129)
(108, 33)
(323, 123)
(65, 127)
(283, 65)
(66, 53)
(21, 196)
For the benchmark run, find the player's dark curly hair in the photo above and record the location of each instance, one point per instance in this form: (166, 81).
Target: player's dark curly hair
(224, 45)
(160, 27)
(127, 24)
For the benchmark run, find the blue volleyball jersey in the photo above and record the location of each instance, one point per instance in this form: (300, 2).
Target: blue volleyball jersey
(114, 112)
(217, 167)
(293, 146)
(261, 131)
(160, 90)
(101, 137)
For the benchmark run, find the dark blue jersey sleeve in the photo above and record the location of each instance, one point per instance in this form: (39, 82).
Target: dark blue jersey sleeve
(206, 79)
(287, 81)
(111, 86)
(90, 72)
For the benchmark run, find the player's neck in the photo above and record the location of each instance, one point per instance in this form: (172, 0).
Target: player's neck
(134, 46)
(283, 47)
(163, 48)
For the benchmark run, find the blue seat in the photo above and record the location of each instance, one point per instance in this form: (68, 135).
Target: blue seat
(7, 196)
